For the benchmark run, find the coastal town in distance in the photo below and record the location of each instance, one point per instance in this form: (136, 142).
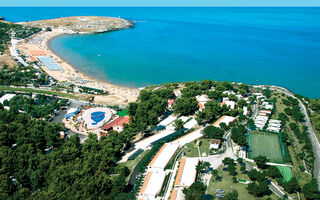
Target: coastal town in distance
(66, 134)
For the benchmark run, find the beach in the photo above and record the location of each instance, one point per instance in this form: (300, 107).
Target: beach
(38, 44)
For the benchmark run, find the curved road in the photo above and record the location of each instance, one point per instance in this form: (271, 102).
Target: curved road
(314, 140)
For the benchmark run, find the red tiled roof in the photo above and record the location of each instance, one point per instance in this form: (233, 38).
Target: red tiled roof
(170, 101)
(117, 122)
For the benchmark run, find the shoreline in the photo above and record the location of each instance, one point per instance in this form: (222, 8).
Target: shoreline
(118, 95)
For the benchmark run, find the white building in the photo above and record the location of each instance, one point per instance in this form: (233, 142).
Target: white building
(187, 172)
(245, 111)
(177, 93)
(190, 124)
(177, 194)
(162, 158)
(7, 97)
(189, 137)
(214, 144)
(224, 119)
(167, 121)
(231, 104)
(145, 143)
(152, 185)
(202, 100)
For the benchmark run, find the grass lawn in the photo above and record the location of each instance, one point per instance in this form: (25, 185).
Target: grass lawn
(132, 163)
(191, 150)
(266, 145)
(204, 147)
(227, 185)
(302, 177)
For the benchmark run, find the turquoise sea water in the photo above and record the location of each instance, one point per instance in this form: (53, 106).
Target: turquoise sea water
(278, 46)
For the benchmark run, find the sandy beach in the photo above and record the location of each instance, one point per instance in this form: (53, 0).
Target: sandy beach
(39, 43)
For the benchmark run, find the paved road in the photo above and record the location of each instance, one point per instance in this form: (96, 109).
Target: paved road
(62, 113)
(14, 53)
(314, 140)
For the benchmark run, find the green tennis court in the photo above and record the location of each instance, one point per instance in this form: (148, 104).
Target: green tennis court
(286, 173)
(268, 145)
(123, 113)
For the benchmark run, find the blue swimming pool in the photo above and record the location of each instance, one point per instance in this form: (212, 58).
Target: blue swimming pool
(97, 117)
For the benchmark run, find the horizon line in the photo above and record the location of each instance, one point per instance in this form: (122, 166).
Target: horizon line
(191, 6)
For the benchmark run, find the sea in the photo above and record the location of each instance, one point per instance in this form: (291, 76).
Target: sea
(252, 45)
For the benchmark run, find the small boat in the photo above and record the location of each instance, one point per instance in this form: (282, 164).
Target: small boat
(99, 55)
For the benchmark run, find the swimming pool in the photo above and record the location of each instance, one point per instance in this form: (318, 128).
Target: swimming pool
(97, 117)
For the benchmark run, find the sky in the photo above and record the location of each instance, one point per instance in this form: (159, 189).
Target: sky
(4, 3)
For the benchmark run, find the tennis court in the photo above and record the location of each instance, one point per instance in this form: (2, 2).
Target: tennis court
(286, 173)
(266, 144)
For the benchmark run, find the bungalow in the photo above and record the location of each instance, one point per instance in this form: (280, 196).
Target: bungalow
(231, 104)
(170, 103)
(177, 93)
(214, 144)
(202, 100)
(116, 125)
(224, 119)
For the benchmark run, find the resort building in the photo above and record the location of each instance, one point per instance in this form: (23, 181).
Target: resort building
(167, 121)
(224, 119)
(115, 125)
(72, 112)
(214, 144)
(6, 97)
(170, 103)
(190, 124)
(189, 137)
(147, 142)
(162, 158)
(187, 172)
(202, 100)
(177, 93)
(177, 194)
(230, 104)
(245, 111)
(152, 185)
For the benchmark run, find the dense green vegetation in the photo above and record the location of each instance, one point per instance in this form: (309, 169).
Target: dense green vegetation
(22, 76)
(41, 106)
(71, 171)
(315, 106)
(19, 32)
(148, 110)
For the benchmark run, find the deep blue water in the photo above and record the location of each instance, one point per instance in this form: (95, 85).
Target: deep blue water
(252, 45)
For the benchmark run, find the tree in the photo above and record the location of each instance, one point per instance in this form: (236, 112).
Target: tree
(238, 135)
(255, 175)
(48, 29)
(310, 190)
(186, 106)
(178, 124)
(273, 172)
(261, 161)
(292, 186)
(258, 189)
(195, 191)
(232, 195)
(211, 132)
